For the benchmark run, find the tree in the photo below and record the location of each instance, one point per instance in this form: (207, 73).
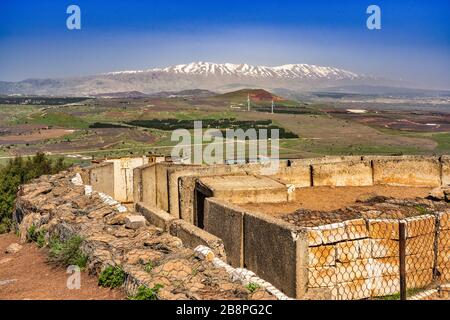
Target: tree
(19, 171)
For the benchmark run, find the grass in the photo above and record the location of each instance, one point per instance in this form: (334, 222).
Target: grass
(145, 293)
(66, 253)
(396, 296)
(422, 210)
(443, 141)
(111, 277)
(56, 119)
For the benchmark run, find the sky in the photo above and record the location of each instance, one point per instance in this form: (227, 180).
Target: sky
(413, 44)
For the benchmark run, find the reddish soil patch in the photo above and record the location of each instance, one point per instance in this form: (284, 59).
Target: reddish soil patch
(333, 198)
(27, 275)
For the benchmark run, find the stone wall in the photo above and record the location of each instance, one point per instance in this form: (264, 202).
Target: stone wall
(59, 208)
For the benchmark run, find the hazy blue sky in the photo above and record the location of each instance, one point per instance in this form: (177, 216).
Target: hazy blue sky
(414, 43)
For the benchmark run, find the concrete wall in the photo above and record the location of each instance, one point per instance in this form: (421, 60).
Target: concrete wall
(354, 259)
(299, 175)
(181, 187)
(349, 173)
(407, 171)
(243, 188)
(144, 184)
(226, 221)
(123, 177)
(327, 159)
(101, 177)
(277, 252)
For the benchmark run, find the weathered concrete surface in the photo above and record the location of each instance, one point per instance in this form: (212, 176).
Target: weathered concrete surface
(101, 177)
(162, 184)
(182, 186)
(144, 184)
(135, 222)
(137, 185)
(326, 159)
(445, 161)
(123, 177)
(299, 175)
(407, 171)
(173, 176)
(155, 216)
(277, 252)
(244, 189)
(350, 173)
(193, 236)
(226, 221)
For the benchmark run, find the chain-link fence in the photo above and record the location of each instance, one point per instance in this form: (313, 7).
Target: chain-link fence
(378, 258)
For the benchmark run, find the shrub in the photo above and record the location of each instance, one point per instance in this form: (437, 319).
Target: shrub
(145, 293)
(111, 277)
(35, 235)
(252, 287)
(67, 252)
(19, 171)
(149, 267)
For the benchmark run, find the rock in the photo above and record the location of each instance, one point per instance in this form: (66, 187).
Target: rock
(174, 269)
(13, 248)
(100, 213)
(5, 260)
(142, 256)
(117, 219)
(135, 222)
(5, 282)
(437, 194)
(262, 295)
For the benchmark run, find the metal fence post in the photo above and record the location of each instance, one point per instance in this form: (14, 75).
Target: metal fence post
(402, 255)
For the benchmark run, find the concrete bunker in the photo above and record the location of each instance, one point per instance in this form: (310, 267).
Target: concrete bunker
(255, 217)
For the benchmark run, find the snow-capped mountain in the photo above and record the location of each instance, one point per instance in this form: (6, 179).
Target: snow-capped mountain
(197, 75)
(288, 71)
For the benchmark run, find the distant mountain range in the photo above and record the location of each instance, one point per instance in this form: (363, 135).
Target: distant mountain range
(197, 75)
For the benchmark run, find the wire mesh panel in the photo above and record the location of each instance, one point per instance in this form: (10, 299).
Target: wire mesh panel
(443, 251)
(355, 259)
(420, 253)
(378, 249)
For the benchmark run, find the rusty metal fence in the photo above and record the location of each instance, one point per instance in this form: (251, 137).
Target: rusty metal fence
(382, 258)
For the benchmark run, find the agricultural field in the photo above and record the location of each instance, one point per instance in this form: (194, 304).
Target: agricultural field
(83, 129)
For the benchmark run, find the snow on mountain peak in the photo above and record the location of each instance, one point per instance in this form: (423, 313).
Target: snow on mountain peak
(287, 71)
(292, 71)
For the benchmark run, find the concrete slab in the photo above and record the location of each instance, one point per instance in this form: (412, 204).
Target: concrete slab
(243, 189)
